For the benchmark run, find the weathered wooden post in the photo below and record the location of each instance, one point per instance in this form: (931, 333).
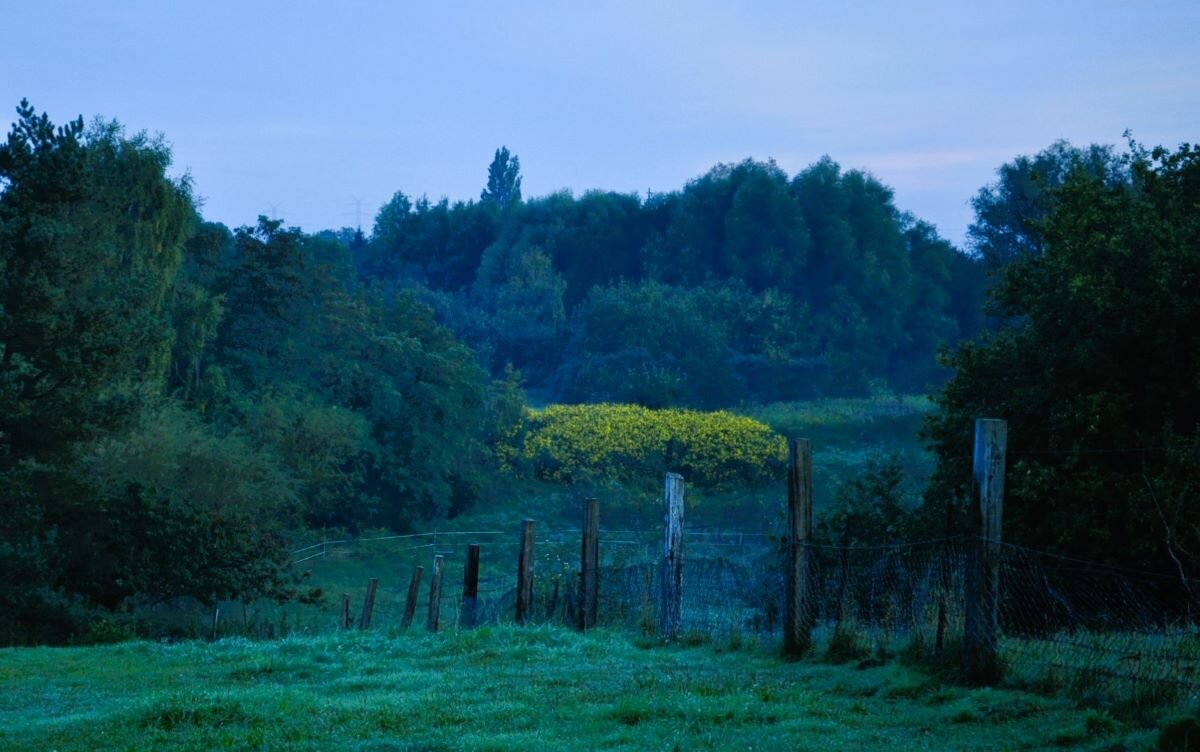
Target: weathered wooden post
(799, 608)
(980, 659)
(944, 583)
(344, 622)
(470, 606)
(589, 567)
(435, 594)
(672, 565)
(212, 635)
(368, 608)
(410, 602)
(552, 610)
(525, 573)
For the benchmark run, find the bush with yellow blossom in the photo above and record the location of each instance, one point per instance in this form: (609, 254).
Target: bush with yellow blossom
(565, 443)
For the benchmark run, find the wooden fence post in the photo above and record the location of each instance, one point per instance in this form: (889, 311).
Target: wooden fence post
(470, 607)
(980, 659)
(944, 583)
(435, 594)
(345, 620)
(368, 609)
(216, 620)
(525, 573)
(410, 602)
(590, 565)
(672, 565)
(799, 611)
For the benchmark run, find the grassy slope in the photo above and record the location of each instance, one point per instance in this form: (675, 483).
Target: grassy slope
(503, 688)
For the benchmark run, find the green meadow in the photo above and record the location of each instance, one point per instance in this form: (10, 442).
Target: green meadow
(511, 688)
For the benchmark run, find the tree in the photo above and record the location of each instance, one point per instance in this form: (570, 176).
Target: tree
(91, 239)
(92, 233)
(1095, 369)
(504, 180)
(1010, 211)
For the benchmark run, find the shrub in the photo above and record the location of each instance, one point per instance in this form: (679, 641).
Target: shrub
(565, 443)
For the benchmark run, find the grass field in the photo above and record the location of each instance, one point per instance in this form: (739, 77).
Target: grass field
(508, 688)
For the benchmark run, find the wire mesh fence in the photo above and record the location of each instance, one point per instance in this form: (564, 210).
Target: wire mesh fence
(1060, 622)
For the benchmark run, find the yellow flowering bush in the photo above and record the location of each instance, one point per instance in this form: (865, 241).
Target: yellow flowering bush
(628, 442)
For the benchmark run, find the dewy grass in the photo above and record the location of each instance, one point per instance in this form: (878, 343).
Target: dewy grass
(505, 688)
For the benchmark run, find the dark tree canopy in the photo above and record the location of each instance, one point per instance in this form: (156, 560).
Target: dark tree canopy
(871, 292)
(169, 387)
(1095, 369)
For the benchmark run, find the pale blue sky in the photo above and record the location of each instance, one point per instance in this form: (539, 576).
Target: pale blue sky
(306, 106)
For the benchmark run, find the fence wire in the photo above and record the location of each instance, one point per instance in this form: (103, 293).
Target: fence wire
(1059, 622)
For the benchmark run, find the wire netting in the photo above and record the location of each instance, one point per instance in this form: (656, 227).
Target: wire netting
(1059, 622)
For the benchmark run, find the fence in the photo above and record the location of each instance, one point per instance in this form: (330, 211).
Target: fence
(970, 602)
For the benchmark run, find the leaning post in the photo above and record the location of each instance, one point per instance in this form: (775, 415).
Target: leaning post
(410, 602)
(368, 609)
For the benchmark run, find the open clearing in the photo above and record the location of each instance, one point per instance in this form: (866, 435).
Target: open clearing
(506, 688)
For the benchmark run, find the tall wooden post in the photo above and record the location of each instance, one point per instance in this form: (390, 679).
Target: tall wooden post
(368, 609)
(980, 659)
(525, 573)
(672, 565)
(435, 594)
(589, 567)
(410, 602)
(470, 606)
(799, 609)
(345, 620)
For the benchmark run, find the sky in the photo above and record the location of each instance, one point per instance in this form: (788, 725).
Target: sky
(318, 112)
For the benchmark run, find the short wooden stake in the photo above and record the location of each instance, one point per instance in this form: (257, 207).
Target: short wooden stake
(844, 580)
(410, 602)
(589, 567)
(799, 611)
(345, 621)
(939, 640)
(435, 594)
(980, 661)
(470, 605)
(215, 621)
(368, 609)
(525, 573)
(552, 610)
(672, 567)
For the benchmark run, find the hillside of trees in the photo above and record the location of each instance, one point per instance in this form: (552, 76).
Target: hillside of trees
(745, 286)
(178, 399)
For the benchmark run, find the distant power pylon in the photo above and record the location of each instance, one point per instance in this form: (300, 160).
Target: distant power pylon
(357, 203)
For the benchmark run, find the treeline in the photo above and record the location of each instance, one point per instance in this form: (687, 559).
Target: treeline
(174, 396)
(745, 286)
(177, 398)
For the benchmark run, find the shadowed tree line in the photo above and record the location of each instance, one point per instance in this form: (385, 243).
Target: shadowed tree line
(176, 396)
(745, 286)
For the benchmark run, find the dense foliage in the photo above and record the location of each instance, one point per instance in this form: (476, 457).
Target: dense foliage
(745, 286)
(177, 399)
(1096, 370)
(174, 397)
(564, 443)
